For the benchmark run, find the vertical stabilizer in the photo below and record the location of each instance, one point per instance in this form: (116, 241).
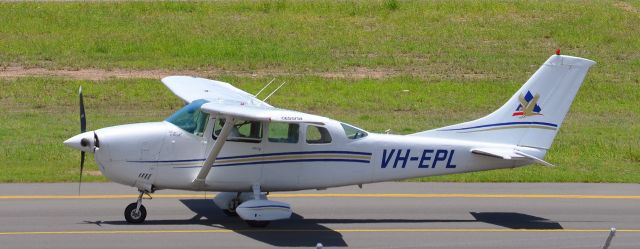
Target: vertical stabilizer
(533, 115)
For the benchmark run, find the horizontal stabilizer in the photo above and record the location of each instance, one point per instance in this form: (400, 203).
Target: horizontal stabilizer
(503, 153)
(537, 160)
(508, 154)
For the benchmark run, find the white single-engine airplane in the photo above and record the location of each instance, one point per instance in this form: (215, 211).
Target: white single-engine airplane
(229, 141)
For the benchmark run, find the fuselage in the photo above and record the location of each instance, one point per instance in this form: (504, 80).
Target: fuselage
(283, 150)
(162, 155)
(227, 140)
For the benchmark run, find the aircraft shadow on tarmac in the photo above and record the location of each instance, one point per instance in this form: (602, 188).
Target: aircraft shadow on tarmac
(516, 220)
(301, 232)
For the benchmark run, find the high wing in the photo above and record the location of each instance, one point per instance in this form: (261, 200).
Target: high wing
(233, 104)
(267, 114)
(244, 112)
(192, 88)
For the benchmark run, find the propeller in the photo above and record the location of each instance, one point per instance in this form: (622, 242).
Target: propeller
(83, 128)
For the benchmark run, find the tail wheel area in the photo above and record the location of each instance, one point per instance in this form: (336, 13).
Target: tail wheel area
(135, 215)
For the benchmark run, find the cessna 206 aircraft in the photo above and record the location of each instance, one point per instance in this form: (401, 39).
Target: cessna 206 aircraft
(227, 140)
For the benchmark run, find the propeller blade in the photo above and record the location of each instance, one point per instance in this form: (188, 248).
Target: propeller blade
(83, 120)
(81, 169)
(83, 128)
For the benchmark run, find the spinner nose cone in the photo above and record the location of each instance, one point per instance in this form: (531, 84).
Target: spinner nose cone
(83, 142)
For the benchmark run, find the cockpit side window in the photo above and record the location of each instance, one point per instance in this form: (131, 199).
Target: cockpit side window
(283, 132)
(201, 123)
(190, 118)
(353, 132)
(242, 131)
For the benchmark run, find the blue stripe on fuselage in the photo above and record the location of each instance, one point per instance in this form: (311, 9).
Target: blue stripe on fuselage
(502, 124)
(295, 161)
(280, 161)
(261, 155)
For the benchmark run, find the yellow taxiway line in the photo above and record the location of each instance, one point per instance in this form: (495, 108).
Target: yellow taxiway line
(329, 195)
(411, 230)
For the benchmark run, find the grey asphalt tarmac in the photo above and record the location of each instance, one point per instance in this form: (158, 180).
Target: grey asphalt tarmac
(385, 215)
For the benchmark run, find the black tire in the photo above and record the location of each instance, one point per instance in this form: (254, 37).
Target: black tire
(258, 223)
(132, 217)
(230, 213)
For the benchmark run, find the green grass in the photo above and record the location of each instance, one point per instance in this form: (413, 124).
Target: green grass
(439, 39)
(459, 60)
(597, 143)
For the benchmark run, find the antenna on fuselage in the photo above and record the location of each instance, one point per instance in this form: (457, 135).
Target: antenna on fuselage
(265, 87)
(274, 91)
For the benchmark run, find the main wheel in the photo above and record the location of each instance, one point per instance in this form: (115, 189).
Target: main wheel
(229, 212)
(133, 216)
(257, 223)
(231, 207)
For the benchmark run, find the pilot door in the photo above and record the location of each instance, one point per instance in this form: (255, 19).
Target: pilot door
(183, 151)
(187, 146)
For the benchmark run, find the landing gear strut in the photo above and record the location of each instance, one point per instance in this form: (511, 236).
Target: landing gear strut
(136, 212)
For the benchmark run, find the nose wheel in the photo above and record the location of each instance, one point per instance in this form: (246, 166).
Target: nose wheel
(136, 212)
(133, 214)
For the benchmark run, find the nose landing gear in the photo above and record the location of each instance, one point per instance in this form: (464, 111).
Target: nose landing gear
(136, 212)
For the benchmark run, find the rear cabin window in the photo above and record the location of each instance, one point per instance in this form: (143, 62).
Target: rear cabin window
(242, 131)
(283, 132)
(317, 135)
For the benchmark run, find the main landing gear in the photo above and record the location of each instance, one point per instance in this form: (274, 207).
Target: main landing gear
(136, 212)
(239, 198)
(232, 205)
(252, 207)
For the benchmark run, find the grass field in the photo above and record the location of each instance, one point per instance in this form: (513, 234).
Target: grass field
(459, 61)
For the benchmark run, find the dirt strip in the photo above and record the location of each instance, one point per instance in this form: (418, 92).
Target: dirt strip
(102, 74)
(351, 73)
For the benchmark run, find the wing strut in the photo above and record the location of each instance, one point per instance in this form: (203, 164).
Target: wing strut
(217, 146)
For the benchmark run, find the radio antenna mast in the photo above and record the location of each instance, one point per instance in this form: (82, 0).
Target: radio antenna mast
(274, 91)
(265, 87)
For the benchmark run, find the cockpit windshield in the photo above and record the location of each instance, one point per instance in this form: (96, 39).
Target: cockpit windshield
(190, 118)
(352, 132)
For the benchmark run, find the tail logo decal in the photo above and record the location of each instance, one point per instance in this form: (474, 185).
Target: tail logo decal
(528, 105)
